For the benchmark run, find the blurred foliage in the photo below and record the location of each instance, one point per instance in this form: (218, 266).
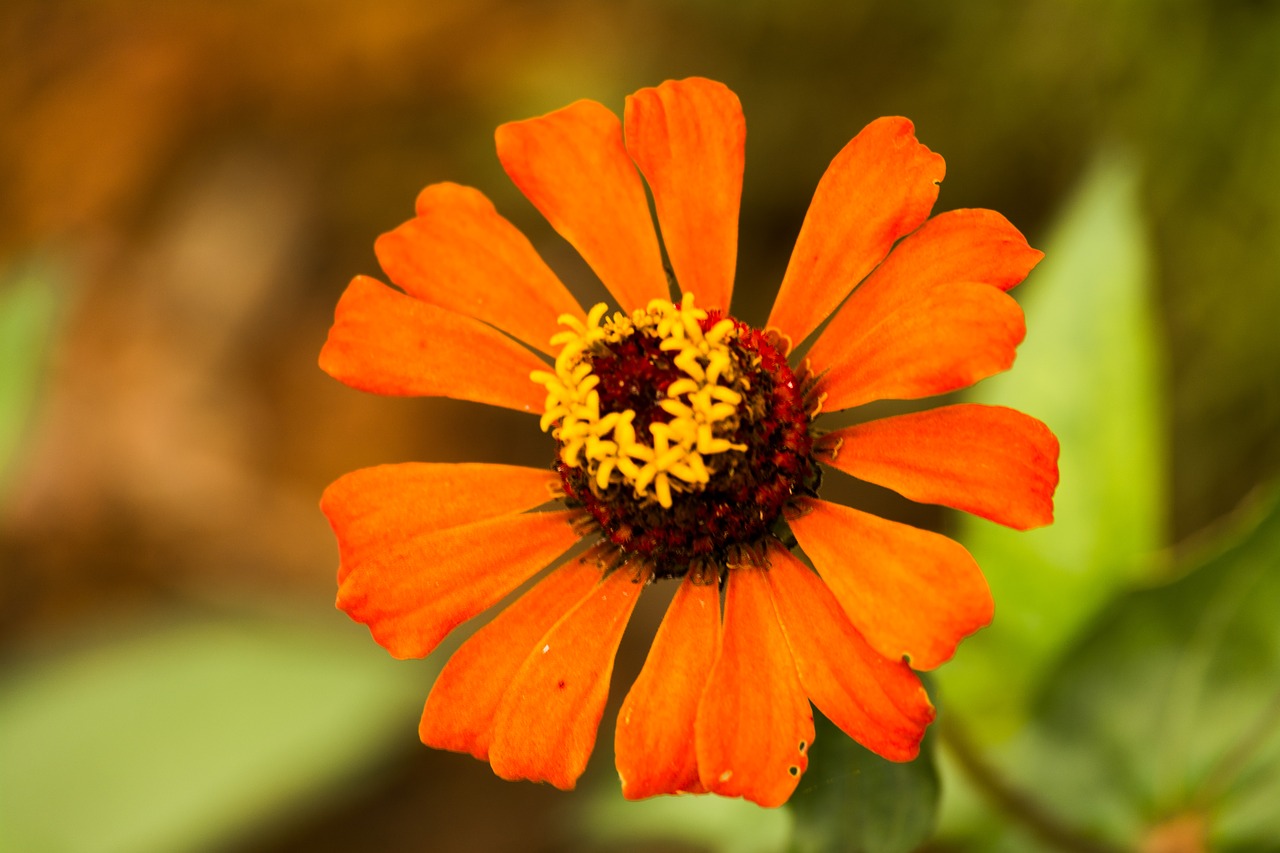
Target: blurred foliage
(853, 800)
(1140, 718)
(187, 736)
(215, 172)
(1091, 368)
(699, 823)
(1167, 714)
(30, 296)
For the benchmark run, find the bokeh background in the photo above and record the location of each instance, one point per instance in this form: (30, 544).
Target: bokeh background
(185, 190)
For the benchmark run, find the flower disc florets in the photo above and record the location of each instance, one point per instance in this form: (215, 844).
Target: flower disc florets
(681, 431)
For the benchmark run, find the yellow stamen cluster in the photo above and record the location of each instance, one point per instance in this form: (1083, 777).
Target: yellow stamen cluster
(607, 445)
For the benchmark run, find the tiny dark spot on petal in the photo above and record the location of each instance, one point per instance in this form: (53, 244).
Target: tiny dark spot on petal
(793, 770)
(560, 684)
(803, 746)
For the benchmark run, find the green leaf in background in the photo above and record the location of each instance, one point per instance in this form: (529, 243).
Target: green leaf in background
(186, 737)
(852, 800)
(1166, 718)
(1090, 368)
(707, 822)
(30, 299)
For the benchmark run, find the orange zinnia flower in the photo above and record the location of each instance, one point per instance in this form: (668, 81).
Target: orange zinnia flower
(686, 447)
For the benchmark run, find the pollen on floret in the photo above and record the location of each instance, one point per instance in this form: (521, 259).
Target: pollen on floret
(681, 431)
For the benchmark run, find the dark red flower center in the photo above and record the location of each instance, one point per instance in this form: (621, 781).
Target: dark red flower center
(744, 495)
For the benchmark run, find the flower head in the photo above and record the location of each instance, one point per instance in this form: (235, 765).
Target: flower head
(687, 446)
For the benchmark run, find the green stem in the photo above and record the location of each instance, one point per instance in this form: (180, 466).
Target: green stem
(1230, 765)
(1014, 802)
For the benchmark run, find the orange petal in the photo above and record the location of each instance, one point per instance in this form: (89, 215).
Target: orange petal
(754, 724)
(960, 245)
(880, 187)
(388, 343)
(545, 726)
(460, 710)
(953, 247)
(413, 591)
(459, 254)
(572, 165)
(373, 508)
(654, 740)
(878, 702)
(947, 338)
(910, 592)
(988, 460)
(688, 137)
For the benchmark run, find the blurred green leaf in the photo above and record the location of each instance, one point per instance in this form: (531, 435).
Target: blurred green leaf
(1170, 709)
(188, 736)
(30, 298)
(1091, 370)
(853, 800)
(709, 822)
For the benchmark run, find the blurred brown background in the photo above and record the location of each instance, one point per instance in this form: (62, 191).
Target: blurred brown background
(193, 184)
